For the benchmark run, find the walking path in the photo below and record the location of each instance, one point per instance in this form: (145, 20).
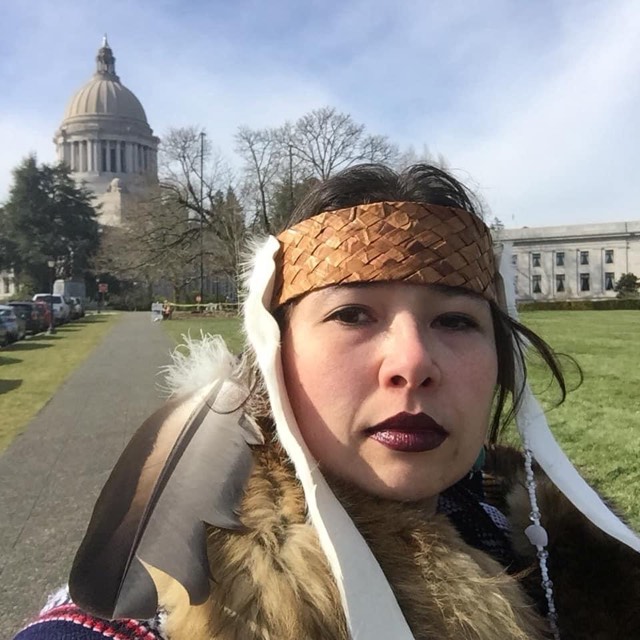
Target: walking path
(51, 475)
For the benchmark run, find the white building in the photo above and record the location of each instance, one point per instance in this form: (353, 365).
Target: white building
(573, 262)
(107, 142)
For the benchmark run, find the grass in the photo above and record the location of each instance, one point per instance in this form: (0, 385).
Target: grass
(32, 370)
(228, 327)
(599, 423)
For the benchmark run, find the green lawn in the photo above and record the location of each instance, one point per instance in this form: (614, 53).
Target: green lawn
(598, 425)
(31, 370)
(228, 327)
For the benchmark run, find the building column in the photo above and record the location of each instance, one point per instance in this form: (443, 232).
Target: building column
(118, 165)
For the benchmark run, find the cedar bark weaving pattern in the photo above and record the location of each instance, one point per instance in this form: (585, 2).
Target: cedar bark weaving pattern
(383, 241)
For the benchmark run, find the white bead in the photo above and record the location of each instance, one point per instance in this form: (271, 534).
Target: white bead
(537, 535)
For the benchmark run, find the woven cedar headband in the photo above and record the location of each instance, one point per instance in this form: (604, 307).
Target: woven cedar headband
(382, 241)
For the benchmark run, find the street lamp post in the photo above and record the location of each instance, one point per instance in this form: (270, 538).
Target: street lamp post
(52, 329)
(98, 295)
(202, 135)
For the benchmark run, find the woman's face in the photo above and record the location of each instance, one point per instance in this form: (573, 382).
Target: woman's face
(392, 383)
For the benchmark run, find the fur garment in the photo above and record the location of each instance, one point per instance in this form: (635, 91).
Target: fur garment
(272, 580)
(596, 579)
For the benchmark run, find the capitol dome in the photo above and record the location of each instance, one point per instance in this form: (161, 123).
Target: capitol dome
(105, 139)
(104, 94)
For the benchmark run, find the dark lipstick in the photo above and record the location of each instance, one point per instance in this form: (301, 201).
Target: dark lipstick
(409, 432)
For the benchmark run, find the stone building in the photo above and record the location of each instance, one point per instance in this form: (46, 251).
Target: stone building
(107, 142)
(573, 262)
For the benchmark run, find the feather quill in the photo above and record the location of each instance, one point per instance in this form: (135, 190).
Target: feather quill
(186, 466)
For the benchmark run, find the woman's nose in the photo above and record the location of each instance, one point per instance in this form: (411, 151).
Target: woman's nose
(408, 360)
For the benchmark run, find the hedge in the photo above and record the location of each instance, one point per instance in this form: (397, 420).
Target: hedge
(581, 305)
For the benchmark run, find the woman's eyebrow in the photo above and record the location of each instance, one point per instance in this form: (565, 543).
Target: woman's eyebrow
(454, 292)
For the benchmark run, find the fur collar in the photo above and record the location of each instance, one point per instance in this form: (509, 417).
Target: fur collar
(272, 581)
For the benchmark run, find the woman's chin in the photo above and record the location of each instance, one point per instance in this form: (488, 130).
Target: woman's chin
(401, 487)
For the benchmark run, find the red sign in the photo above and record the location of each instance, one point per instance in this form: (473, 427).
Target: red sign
(103, 287)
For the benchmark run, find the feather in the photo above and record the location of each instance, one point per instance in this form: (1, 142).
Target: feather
(186, 466)
(537, 436)
(195, 363)
(370, 606)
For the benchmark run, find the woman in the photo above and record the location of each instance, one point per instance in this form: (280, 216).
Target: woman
(341, 475)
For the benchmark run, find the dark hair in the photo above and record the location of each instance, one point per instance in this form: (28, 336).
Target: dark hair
(366, 183)
(424, 183)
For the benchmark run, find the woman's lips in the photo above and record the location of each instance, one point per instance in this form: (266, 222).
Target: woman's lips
(409, 432)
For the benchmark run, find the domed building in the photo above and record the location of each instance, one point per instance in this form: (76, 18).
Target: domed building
(107, 142)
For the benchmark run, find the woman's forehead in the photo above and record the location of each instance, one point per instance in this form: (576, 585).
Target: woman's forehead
(333, 291)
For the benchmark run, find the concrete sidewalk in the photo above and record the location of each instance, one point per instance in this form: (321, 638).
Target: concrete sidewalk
(51, 475)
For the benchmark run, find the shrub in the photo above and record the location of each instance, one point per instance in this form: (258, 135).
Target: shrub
(610, 304)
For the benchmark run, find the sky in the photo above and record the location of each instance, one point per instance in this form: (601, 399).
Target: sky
(534, 104)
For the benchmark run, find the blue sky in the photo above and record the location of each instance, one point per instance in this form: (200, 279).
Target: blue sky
(535, 104)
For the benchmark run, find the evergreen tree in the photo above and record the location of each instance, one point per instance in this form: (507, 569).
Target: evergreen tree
(46, 217)
(628, 286)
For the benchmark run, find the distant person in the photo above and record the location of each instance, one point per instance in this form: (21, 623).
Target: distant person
(345, 480)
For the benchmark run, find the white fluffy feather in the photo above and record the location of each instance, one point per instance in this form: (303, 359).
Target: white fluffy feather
(196, 363)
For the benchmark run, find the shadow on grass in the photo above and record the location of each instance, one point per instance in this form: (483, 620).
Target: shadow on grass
(4, 360)
(29, 345)
(9, 385)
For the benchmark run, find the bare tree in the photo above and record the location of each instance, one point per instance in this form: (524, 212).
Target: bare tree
(190, 164)
(325, 141)
(158, 243)
(410, 156)
(262, 152)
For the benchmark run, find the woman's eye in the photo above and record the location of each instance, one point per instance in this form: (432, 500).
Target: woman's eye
(456, 321)
(351, 316)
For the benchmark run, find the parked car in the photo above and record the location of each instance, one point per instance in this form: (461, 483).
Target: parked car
(77, 307)
(45, 310)
(31, 313)
(15, 326)
(61, 310)
(4, 333)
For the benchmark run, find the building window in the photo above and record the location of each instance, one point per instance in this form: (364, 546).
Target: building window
(584, 282)
(584, 258)
(514, 260)
(609, 281)
(608, 256)
(123, 158)
(560, 259)
(560, 283)
(535, 259)
(103, 156)
(535, 284)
